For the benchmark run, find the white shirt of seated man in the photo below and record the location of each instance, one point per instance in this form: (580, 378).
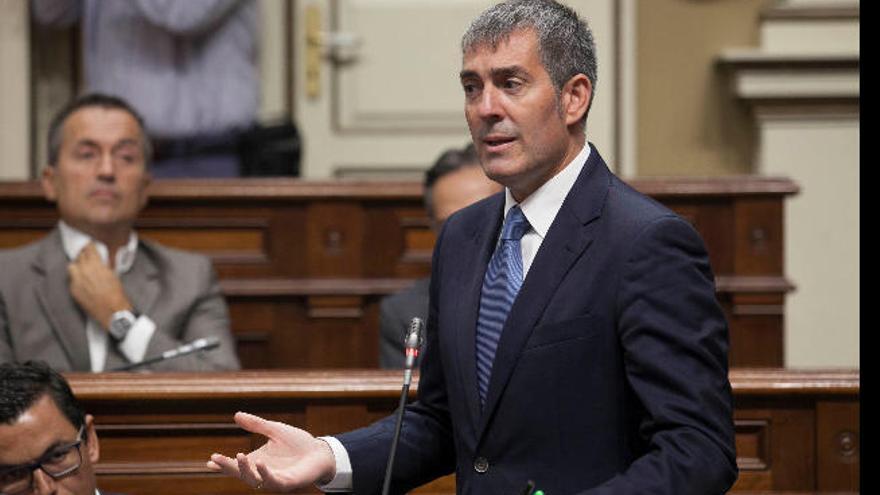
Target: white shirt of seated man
(80, 248)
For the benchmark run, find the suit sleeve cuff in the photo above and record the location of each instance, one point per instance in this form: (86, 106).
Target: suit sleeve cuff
(342, 481)
(134, 346)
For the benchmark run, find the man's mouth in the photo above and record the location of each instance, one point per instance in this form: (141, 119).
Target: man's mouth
(103, 194)
(496, 143)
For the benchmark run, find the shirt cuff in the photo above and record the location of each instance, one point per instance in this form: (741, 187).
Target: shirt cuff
(342, 481)
(134, 345)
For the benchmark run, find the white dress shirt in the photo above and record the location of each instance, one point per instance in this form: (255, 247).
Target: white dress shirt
(134, 346)
(540, 209)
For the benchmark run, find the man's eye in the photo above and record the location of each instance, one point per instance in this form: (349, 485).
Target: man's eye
(511, 84)
(469, 88)
(56, 456)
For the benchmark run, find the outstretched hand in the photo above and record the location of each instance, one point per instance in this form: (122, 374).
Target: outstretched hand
(291, 459)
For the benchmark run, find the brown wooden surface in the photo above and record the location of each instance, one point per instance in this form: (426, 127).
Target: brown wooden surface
(157, 430)
(304, 264)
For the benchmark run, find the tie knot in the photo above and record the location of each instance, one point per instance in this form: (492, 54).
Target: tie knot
(515, 225)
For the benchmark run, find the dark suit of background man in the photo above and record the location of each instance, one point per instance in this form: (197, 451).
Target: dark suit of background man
(48, 445)
(453, 182)
(92, 296)
(610, 372)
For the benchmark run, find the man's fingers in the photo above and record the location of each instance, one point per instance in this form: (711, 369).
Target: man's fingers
(271, 482)
(90, 251)
(226, 465)
(89, 256)
(253, 424)
(248, 473)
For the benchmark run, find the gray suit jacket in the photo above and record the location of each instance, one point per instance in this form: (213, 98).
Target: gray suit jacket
(177, 290)
(395, 314)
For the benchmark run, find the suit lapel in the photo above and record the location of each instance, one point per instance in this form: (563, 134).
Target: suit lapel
(67, 320)
(567, 240)
(467, 302)
(141, 282)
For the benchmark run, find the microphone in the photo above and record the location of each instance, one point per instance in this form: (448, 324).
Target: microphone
(199, 345)
(412, 343)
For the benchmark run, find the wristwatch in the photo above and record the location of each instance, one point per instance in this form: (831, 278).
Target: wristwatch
(120, 323)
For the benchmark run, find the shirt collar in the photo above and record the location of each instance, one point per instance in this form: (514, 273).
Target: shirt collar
(74, 241)
(541, 207)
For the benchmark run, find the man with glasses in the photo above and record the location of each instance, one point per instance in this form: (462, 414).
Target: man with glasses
(48, 444)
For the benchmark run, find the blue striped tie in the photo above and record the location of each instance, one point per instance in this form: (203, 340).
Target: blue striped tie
(504, 276)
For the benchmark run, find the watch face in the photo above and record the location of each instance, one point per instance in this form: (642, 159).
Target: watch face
(121, 324)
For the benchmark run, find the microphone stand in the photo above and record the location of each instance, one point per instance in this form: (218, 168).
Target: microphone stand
(413, 340)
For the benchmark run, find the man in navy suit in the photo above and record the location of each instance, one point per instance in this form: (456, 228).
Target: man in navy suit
(590, 357)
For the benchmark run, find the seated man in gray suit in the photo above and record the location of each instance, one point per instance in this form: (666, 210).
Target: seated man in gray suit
(453, 182)
(92, 295)
(48, 444)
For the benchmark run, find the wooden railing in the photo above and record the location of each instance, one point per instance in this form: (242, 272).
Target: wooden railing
(304, 264)
(796, 431)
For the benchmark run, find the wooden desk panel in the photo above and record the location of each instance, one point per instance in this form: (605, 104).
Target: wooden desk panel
(794, 429)
(304, 264)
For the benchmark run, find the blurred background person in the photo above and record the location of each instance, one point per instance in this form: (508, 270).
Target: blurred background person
(48, 444)
(453, 182)
(190, 68)
(91, 295)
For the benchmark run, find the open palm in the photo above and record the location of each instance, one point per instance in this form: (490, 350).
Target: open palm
(291, 459)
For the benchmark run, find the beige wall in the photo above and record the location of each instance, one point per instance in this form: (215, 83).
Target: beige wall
(687, 122)
(14, 90)
(822, 234)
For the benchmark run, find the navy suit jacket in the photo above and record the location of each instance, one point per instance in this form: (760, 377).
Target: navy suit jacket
(611, 372)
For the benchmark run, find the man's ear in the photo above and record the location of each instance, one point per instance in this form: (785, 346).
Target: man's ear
(145, 184)
(92, 447)
(47, 180)
(576, 96)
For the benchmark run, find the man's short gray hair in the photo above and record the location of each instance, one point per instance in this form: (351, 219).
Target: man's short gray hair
(94, 100)
(565, 41)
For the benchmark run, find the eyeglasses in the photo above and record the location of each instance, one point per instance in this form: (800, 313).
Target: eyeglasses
(57, 463)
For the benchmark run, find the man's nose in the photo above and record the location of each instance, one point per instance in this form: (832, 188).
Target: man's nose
(489, 105)
(106, 165)
(44, 484)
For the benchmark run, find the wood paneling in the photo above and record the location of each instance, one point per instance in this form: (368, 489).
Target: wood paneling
(304, 264)
(796, 431)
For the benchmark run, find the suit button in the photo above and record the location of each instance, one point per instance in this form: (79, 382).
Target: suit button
(481, 465)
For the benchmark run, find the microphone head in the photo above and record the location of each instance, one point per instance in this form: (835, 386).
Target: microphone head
(413, 342)
(415, 335)
(206, 343)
